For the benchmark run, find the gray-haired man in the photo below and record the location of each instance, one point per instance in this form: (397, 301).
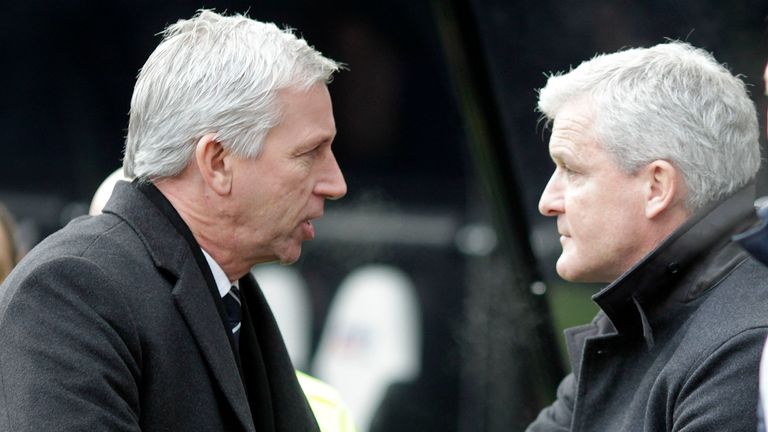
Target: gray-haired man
(146, 317)
(655, 152)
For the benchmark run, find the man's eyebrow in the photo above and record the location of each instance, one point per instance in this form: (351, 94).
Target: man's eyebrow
(316, 140)
(556, 156)
(561, 156)
(321, 138)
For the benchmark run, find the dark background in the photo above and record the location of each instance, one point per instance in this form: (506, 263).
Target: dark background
(437, 126)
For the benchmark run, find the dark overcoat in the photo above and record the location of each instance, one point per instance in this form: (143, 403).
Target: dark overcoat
(114, 324)
(677, 343)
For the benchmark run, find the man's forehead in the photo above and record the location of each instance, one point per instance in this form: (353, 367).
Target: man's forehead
(572, 131)
(568, 151)
(575, 116)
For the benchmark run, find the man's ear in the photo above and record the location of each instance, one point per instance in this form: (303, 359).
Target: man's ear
(214, 164)
(663, 189)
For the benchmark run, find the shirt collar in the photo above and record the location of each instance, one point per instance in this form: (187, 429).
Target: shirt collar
(222, 281)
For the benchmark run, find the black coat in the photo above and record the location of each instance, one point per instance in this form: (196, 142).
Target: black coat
(677, 343)
(113, 324)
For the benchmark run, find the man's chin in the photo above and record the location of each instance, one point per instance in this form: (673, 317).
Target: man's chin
(568, 277)
(290, 257)
(571, 273)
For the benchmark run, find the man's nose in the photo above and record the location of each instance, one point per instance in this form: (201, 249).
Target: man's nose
(551, 201)
(332, 186)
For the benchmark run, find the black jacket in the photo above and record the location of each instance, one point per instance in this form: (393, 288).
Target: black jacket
(677, 343)
(113, 324)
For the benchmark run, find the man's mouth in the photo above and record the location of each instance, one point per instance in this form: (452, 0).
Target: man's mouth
(309, 230)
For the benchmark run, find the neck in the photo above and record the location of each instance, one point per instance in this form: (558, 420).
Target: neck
(207, 219)
(657, 231)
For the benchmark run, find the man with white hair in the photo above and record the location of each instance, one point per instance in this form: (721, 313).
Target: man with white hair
(656, 150)
(146, 317)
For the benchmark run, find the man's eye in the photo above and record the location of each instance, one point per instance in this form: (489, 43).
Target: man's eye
(569, 172)
(310, 152)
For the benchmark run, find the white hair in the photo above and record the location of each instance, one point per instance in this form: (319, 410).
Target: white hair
(672, 102)
(214, 74)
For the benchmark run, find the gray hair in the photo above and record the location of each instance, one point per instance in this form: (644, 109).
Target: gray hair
(214, 74)
(672, 102)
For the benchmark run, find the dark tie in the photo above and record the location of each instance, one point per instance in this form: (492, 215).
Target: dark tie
(234, 314)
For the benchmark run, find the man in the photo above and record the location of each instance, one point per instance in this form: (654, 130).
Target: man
(655, 152)
(145, 317)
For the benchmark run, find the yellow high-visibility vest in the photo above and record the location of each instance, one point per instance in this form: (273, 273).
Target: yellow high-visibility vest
(330, 411)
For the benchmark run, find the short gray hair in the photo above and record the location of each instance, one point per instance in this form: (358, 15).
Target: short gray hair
(214, 74)
(672, 102)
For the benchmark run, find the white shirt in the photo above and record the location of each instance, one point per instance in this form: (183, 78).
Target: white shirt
(222, 281)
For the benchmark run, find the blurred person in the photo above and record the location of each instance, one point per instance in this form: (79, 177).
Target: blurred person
(330, 410)
(656, 150)
(9, 251)
(146, 317)
(104, 191)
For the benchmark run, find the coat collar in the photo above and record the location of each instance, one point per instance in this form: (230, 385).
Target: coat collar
(679, 258)
(167, 240)
(167, 249)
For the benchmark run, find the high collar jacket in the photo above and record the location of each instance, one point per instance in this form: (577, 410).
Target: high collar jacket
(112, 324)
(677, 342)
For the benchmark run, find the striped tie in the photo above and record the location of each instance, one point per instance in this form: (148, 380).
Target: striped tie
(232, 307)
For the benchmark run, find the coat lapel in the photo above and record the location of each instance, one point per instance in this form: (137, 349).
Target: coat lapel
(172, 253)
(195, 304)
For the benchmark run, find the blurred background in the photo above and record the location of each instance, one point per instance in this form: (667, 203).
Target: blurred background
(428, 297)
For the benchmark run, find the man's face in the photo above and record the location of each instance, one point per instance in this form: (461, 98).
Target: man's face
(281, 191)
(599, 210)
